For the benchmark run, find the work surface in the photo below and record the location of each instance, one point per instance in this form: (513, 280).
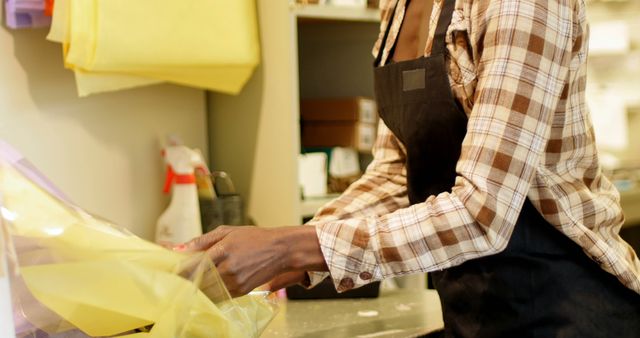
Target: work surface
(400, 313)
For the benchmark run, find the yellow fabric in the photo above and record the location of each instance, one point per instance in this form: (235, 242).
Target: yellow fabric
(210, 44)
(60, 22)
(105, 281)
(90, 82)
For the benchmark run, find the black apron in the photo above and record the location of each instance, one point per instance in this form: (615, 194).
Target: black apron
(542, 284)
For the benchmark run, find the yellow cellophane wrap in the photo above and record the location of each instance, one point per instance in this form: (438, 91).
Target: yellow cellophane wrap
(118, 44)
(72, 272)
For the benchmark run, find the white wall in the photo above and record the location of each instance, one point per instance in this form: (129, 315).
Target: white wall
(102, 151)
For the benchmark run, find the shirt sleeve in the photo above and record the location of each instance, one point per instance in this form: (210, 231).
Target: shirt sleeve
(523, 56)
(381, 190)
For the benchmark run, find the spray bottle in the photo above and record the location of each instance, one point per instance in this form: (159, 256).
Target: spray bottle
(180, 222)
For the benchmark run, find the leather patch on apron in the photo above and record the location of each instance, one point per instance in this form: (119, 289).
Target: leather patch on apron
(413, 79)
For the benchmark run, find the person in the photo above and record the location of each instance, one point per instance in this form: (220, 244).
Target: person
(485, 173)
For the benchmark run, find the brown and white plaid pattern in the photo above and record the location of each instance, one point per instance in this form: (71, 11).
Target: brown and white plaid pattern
(518, 68)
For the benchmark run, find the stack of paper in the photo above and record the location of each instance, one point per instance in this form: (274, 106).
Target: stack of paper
(117, 44)
(27, 13)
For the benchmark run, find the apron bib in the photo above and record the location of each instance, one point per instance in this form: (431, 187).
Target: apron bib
(542, 284)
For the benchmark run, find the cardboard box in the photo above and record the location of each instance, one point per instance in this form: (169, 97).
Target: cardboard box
(351, 134)
(353, 109)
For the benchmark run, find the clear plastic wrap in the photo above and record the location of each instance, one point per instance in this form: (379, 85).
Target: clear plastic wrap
(72, 274)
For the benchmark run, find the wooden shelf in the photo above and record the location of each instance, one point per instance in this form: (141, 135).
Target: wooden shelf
(335, 13)
(265, 162)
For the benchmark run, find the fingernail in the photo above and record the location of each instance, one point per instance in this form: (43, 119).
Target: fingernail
(180, 247)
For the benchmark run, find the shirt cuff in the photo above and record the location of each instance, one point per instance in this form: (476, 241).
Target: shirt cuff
(348, 251)
(314, 278)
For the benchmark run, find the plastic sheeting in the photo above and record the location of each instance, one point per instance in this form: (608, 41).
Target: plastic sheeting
(118, 44)
(74, 275)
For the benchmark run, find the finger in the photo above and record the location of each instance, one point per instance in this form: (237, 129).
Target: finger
(287, 279)
(207, 240)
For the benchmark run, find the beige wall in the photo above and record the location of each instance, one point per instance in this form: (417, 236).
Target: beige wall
(103, 150)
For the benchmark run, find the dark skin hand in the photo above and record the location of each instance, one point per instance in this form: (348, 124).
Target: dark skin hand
(248, 257)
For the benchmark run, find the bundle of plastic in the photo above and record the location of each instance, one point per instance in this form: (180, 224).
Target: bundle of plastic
(118, 44)
(28, 13)
(74, 275)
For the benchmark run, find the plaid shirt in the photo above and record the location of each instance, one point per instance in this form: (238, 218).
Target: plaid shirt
(518, 68)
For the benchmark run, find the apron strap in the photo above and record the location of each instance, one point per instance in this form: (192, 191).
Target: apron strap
(439, 39)
(383, 43)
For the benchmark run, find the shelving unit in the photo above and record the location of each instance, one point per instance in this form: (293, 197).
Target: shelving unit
(335, 13)
(334, 59)
(308, 51)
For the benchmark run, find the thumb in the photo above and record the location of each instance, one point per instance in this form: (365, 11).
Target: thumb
(207, 240)
(287, 279)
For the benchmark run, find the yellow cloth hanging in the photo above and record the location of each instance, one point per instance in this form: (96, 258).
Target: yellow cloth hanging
(90, 82)
(210, 44)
